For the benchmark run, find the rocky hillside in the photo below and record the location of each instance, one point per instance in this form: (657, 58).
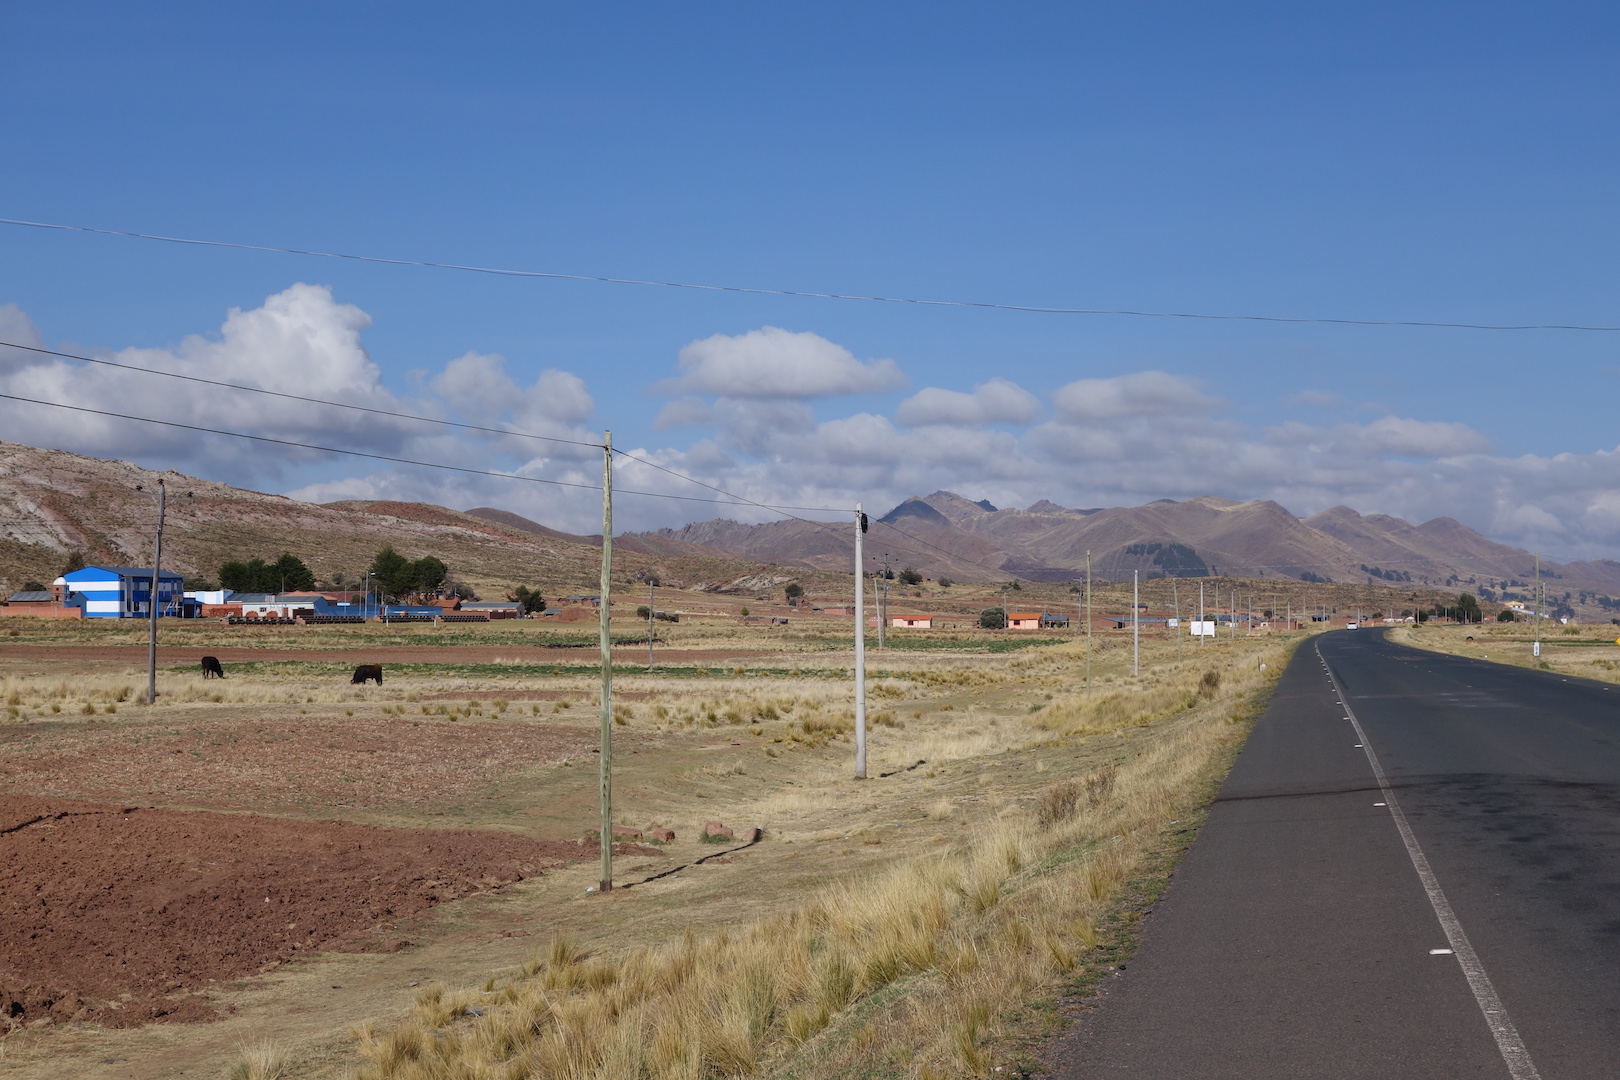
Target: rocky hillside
(54, 504)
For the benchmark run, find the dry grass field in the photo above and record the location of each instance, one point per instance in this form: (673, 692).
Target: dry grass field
(928, 921)
(1588, 650)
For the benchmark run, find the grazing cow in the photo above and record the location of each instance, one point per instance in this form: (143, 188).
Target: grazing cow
(211, 668)
(366, 672)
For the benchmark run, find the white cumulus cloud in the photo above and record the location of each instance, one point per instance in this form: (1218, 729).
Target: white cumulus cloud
(1142, 393)
(996, 401)
(774, 363)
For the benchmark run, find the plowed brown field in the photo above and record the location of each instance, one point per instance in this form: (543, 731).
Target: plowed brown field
(121, 914)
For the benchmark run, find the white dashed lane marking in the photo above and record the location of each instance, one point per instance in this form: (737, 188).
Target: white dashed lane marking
(1508, 1042)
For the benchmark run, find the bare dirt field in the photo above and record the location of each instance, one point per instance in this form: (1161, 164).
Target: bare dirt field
(222, 759)
(120, 914)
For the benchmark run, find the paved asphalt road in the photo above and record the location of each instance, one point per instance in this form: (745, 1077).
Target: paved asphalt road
(1295, 938)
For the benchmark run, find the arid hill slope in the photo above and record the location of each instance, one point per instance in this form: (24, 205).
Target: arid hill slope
(947, 534)
(53, 503)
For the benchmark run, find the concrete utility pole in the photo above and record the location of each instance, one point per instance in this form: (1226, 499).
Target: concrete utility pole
(605, 884)
(1200, 614)
(1137, 605)
(1534, 651)
(1088, 618)
(152, 602)
(860, 647)
(649, 624)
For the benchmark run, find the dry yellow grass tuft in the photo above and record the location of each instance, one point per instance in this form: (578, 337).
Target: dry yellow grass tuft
(920, 967)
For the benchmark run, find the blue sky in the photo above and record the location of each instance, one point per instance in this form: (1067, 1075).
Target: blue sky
(1429, 162)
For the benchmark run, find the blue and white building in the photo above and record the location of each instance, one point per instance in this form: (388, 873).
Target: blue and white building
(122, 592)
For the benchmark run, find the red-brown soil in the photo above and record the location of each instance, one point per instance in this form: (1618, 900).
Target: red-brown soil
(123, 914)
(256, 763)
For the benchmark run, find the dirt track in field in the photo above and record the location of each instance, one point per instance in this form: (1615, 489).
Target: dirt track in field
(127, 915)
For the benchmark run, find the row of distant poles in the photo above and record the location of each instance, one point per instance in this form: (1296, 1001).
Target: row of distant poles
(605, 638)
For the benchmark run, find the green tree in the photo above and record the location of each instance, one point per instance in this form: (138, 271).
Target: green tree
(291, 575)
(428, 573)
(910, 576)
(945, 582)
(993, 618)
(531, 599)
(398, 577)
(1506, 615)
(794, 590)
(286, 574)
(1467, 609)
(241, 577)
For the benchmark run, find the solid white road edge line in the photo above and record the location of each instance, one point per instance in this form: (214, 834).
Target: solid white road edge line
(1512, 1047)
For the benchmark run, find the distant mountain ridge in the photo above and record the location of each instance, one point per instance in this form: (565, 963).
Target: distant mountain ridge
(947, 534)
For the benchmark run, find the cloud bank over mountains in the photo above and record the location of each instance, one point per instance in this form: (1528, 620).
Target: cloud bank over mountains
(763, 413)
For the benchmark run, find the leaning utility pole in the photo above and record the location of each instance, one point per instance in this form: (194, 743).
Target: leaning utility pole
(860, 648)
(606, 640)
(152, 601)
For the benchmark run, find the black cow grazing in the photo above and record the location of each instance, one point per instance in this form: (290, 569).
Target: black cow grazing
(211, 668)
(366, 672)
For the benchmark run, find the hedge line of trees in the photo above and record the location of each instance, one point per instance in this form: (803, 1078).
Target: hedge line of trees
(392, 574)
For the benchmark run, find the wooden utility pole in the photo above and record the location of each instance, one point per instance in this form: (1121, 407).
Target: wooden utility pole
(605, 884)
(152, 602)
(1136, 622)
(860, 648)
(1088, 618)
(1175, 593)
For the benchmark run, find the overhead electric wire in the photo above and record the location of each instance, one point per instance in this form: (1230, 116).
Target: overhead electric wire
(361, 453)
(802, 293)
(296, 397)
(740, 499)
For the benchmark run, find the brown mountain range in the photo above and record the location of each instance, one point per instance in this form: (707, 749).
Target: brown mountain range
(947, 534)
(53, 503)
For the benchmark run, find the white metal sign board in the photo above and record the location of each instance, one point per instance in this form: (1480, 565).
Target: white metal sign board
(1202, 628)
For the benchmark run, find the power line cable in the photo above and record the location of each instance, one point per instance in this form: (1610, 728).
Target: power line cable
(362, 453)
(740, 499)
(1027, 308)
(296, 397)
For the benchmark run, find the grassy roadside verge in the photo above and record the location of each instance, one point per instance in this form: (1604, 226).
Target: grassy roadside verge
(944, 964)
(1589, 652)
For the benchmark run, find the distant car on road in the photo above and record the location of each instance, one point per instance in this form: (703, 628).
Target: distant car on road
(1352, 626)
